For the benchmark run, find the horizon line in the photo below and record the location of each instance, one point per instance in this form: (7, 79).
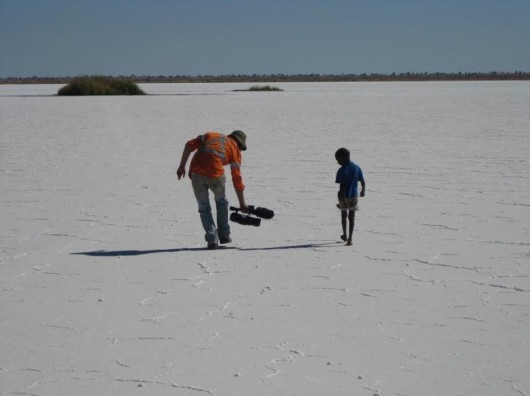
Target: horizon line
(300, 77)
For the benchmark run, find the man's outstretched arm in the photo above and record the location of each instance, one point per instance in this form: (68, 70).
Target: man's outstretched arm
(181, 171)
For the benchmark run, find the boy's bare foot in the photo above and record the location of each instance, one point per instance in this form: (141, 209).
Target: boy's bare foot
(349, 243)
(343, 237)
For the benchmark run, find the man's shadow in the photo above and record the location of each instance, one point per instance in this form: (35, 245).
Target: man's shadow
(114, 253)
(111, 253)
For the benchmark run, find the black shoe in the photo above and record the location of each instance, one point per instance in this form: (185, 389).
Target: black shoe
(223, 240)
(212, 245)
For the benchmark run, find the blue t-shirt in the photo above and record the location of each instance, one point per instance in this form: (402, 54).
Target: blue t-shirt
(350, 175)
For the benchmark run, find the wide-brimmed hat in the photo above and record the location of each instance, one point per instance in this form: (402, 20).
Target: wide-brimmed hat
(241, 139)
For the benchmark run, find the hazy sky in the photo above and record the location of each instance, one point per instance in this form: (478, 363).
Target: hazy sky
(197, 37)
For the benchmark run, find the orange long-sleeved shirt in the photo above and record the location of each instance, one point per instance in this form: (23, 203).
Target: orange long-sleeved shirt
(214, 151)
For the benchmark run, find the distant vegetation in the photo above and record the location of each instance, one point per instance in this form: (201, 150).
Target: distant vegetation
(277, 78)
(260, 88)
(264, 88)
(99, 85)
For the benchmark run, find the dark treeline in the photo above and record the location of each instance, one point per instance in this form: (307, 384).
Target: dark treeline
(260, 78)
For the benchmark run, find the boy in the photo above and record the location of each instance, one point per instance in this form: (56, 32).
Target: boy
(348, 176)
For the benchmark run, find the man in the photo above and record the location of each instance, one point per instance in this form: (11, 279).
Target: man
(214, 151)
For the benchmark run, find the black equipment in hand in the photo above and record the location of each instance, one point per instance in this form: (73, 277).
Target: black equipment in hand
(264, 213)
(245, 219)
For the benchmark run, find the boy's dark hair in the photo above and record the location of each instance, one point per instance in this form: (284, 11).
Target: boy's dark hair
(342, 153)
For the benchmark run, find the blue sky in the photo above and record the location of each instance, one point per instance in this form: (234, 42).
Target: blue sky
(214, 37)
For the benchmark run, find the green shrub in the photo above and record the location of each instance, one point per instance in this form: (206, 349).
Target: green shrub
(264, 88)
(98, 85)
(259, 88)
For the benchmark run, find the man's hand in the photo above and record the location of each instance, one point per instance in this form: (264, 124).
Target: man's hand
(242, 204)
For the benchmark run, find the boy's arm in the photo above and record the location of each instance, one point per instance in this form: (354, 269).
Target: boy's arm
(342, 193)
(363, 188)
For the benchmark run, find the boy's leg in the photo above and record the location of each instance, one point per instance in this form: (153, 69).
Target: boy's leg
(200, 189)
(351, 220)
(343, 215)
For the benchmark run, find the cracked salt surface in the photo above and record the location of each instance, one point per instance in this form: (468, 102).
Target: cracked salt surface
(106, 286)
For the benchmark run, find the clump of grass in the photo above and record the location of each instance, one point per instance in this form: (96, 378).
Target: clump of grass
(264, 88)
(99, 85)
(259, 88)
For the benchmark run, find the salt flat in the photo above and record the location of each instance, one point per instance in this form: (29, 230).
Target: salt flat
(106, 288)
